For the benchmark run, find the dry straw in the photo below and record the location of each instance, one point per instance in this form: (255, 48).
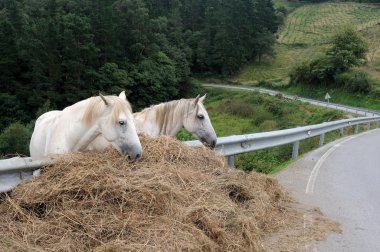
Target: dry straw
(175, 198)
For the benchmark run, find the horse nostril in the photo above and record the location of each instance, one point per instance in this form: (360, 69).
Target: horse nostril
(137, 156)
(129, 157)
(213, 144)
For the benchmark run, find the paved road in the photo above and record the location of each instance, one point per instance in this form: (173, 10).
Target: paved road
(359, 111)
(343, 180)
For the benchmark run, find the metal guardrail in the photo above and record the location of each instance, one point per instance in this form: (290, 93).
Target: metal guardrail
(359, 111)
(233, 145)
(15, 170)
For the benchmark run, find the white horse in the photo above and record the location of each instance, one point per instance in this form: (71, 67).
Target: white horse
(169, 118)
(72, 129)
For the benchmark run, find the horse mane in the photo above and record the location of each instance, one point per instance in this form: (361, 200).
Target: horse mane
(165, 112)
(96, 105)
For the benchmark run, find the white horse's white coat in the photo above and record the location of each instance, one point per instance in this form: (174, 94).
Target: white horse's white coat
(169, 118)
(72, 129)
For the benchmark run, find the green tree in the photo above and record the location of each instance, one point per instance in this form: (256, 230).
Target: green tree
(10, 110)
(63, 51)
(348, 49)
(15, 139)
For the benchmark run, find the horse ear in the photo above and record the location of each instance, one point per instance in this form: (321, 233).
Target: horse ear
(202, 98)
(122, 95)
(103, 98)
(196, 100)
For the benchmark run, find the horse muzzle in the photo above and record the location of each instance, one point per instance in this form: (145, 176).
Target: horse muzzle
(132, 152)
(211, 142)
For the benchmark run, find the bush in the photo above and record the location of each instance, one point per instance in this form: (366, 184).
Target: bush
(300, 74)
(268, 125)
(184, 135)
(261, 117)
(238, 108)
(276, 107)
(264, 160)
(355, 81)
(318, 72)
(328, 116)
(15, 140)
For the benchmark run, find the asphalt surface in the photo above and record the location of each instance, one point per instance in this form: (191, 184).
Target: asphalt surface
(358, 111)
(343, 180)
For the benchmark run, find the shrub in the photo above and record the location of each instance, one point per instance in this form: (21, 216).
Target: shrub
(300, 74)
(275, 107)
(15, 140)
(328, 116)
(264, 160)
(238, 108)
(355, 81)
(317, 72)
(184, 135)
(261, 117)
(268, 125)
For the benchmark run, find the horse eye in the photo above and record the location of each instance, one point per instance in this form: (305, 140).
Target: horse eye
(121, 123)
(200, 116)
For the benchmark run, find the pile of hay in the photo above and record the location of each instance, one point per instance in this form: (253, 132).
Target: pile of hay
(175, 198)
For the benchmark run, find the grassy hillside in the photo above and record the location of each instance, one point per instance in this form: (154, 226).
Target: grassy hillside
(305, 33)
(277, 69)
(240, 112)
(314, 24)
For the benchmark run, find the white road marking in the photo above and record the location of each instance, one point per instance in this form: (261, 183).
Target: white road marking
(314, 173)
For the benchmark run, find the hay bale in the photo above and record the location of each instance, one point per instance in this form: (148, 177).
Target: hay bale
(174, 198)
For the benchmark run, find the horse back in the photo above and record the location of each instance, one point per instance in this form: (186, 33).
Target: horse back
(42, 134)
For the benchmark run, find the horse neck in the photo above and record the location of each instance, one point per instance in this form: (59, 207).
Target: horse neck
(81, 133)
(162, 119)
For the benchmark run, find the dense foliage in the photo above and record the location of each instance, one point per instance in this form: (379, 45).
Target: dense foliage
(57, 52)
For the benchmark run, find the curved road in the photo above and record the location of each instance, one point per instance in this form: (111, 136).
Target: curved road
(359, 111)
(343, 180)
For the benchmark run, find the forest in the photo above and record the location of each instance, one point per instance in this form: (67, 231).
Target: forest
(57, 52)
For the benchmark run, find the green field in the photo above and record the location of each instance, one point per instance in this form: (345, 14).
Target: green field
(314, 24)
(305, 34)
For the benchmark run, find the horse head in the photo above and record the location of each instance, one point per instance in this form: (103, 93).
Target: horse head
(118, 127)
(198, 123)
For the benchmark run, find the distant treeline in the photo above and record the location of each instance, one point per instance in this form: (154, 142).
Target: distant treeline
(56, 52)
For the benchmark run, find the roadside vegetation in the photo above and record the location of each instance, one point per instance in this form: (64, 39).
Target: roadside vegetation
(305, 64)
(305, 35)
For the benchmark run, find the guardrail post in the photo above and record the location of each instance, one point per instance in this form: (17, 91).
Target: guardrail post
(296, 146)
(341, 131)
(231, 161)
(377, 124)
(321, 139)
(368, 125)
(356, 129)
